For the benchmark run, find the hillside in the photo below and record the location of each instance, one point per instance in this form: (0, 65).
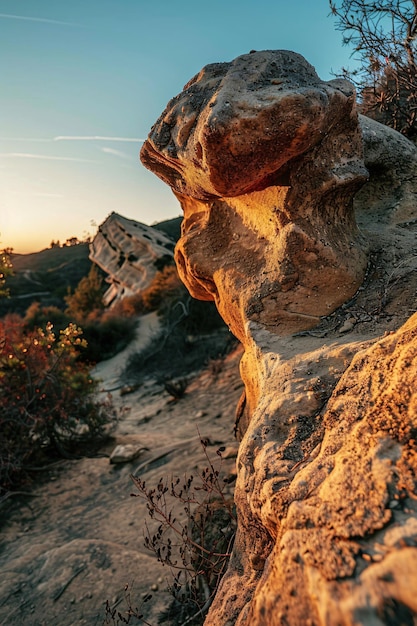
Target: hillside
(300, 222)
(45, 277)
(172, 227)
(48, 275)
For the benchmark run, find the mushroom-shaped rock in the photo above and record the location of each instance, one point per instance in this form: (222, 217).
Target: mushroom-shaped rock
(236, 126)
(265, 158)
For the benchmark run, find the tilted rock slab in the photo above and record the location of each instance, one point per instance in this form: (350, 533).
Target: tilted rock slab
(129, 252)
(274, 172)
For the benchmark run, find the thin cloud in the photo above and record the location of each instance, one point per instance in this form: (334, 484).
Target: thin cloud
(28, 155)
(96, 138)
(35, 139)
(37, 194)
(117, 153)
(74, 138)
(28, 18)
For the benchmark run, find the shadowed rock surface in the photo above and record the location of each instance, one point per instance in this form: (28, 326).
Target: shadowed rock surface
(270, 165)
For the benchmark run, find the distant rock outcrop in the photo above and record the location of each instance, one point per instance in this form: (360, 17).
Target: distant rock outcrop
(269, 165)
(131, 253)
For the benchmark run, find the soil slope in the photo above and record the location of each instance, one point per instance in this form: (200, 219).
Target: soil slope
(78, 540)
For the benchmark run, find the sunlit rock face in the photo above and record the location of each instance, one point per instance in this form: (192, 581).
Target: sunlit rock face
(130, 253)
(267, 162)
(264, 157)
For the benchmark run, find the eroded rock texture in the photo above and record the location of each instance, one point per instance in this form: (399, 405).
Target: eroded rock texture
(264, 158)
(131, 253)
(268, 163)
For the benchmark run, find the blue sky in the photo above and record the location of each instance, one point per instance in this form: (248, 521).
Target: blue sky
(83, 81)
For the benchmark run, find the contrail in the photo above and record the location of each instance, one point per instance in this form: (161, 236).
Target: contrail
(74, 138)
(42, 194)
(34, 139)
(96, 138)
(36, 19)
(117, 153)
(28, 155)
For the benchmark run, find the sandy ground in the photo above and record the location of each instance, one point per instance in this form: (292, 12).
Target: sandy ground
(79, 540)
(108, 372)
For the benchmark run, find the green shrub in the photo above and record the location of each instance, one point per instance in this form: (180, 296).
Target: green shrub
(164, 288)
(192, 333)
(5, 270)
(38, 316)
(104, 337)
(87, 297)
(107, 337)
(129, 306)
(47, 398)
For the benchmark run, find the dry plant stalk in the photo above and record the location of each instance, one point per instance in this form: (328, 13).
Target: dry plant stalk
(197, 548)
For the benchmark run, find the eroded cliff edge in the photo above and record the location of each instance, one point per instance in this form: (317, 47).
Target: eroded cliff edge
(300, 222)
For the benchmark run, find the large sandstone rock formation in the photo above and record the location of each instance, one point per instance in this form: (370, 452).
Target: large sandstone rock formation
(270, 165)
(265, 157)
(131, 253)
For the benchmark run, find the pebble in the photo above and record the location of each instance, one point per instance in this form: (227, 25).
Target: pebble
(347, 325)
(125, 453)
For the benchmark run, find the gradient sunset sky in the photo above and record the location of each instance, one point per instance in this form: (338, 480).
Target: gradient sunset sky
(83, 81)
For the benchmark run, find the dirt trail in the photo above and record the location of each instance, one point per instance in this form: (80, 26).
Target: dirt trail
(78, 541)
